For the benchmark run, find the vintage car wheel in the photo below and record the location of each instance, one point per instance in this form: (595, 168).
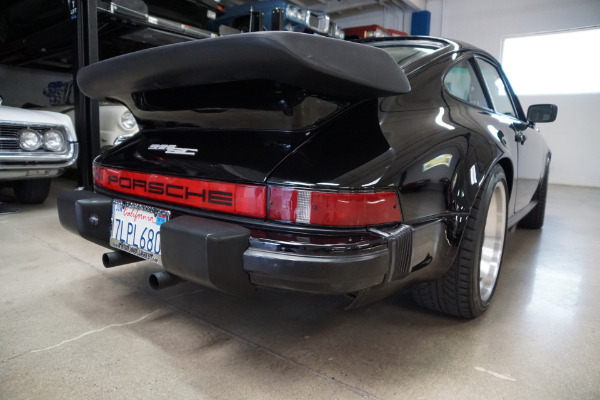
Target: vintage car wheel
(535, 218)
(32, 191)
(467, 288)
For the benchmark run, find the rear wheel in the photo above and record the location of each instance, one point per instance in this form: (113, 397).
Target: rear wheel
(467, 288)
(32, 191)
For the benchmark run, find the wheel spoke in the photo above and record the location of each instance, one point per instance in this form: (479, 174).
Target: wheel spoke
(493, 242)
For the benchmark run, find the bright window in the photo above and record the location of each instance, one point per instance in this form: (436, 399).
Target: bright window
(496, 87)
(553, 63)
(462, 82)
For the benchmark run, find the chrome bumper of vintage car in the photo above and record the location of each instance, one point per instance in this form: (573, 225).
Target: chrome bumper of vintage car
(23, 165)
(234, 259)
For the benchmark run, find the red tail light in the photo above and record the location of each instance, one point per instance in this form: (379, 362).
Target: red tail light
(247, 200)
(98, 174)
(333, 208)
(348, 209)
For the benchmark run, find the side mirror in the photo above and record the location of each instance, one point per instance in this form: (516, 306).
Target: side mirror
(542, 113)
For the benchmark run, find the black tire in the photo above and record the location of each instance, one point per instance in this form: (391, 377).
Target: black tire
(32, 191)
(466, 290)
(535, 218)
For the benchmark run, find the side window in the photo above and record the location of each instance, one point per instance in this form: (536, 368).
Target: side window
(461, 81)
(498, 92)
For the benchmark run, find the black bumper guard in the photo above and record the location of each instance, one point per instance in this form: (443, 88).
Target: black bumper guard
(222, 255)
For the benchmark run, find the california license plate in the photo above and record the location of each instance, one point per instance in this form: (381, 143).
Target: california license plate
(136, 229)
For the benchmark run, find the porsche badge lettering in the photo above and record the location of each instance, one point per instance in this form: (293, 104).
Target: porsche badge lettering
(173, 149)
(184, 192)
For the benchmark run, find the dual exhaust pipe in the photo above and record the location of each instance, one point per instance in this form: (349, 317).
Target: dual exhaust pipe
(158, 280)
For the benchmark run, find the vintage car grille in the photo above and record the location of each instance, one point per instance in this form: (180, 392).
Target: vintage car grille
(9, 136)
(313, 21)
(319, 23)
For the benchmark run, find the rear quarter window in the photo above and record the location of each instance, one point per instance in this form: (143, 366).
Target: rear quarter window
(461, 82)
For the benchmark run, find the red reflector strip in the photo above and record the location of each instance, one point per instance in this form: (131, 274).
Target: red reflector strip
(333, 208)
(232, 198)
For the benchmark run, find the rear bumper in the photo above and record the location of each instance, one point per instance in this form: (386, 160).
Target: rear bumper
(342, 273)
(235, 259)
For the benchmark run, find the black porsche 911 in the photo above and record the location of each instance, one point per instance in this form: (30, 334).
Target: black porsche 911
(298, 162)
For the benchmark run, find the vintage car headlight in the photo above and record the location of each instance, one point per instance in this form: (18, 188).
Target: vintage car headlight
(54, 140)
(128, 120)
(335, 31)
(297, 13)
(302, 15)
(30, 140)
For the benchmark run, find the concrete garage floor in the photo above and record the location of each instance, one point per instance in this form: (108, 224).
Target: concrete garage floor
(70, 329)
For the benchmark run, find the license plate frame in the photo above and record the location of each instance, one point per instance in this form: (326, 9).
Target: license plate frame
(135, 229)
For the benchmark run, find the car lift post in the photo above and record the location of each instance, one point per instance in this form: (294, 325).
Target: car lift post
(87, 117)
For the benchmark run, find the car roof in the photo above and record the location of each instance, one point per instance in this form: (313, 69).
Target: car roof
(442, 46)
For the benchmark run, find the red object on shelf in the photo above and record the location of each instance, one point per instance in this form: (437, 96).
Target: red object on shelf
(367, 31)
(395, 32)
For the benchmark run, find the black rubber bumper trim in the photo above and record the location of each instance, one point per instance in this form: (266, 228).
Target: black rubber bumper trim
(317, 274)
(86, 214)
(400, 243)
(206, 252)
(217, 254)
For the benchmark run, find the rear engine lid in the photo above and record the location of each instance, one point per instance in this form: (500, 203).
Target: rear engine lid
(338, 150)
(238, 156)
(220, 116)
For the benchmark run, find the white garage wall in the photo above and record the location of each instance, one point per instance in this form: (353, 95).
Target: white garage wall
(575, 136)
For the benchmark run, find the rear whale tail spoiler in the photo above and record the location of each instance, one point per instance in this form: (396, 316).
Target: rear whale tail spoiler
(325, 66)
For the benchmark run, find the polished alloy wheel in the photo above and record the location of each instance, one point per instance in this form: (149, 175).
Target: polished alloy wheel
(493, 242)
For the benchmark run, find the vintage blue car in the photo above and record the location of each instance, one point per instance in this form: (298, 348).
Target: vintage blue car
(279, 15)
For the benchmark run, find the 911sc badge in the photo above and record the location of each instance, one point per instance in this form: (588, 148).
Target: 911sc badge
(173, 149)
